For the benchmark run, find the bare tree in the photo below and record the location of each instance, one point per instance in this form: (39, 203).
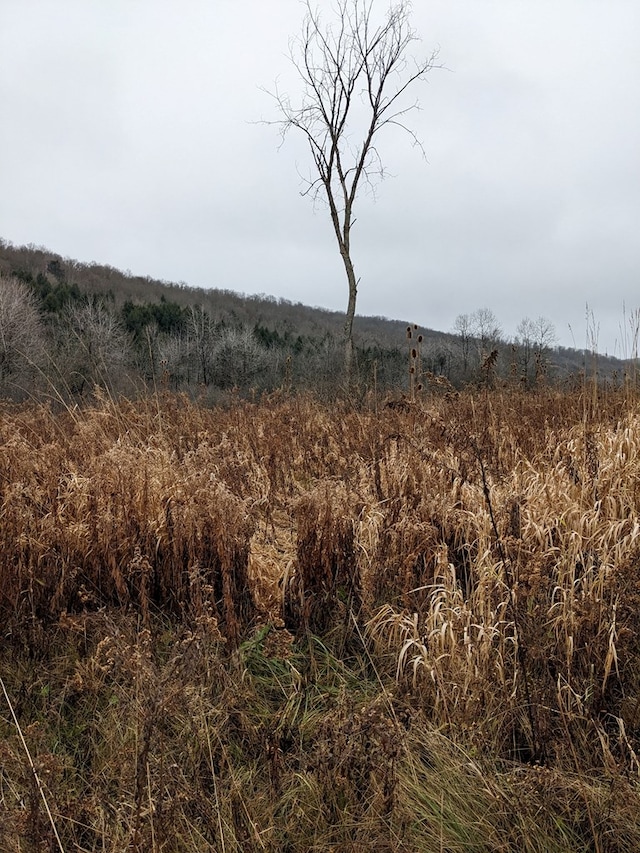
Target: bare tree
(545, 338)
(97, 347)
(525, 336)
(355, 75)
(463, 329)
(21, 335)
(486, 328)
(174, 351)
(545, 333)
(238, 358)
(535, 338)
(202, 330)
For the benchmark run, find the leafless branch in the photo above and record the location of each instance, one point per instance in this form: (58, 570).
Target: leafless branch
(354, 75)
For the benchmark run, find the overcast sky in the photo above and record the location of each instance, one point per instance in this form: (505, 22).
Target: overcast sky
(129, 138)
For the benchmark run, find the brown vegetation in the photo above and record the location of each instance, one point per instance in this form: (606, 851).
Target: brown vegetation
(283, 626)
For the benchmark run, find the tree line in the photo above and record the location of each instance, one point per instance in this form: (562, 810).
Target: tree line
(62, 339)
(57, 339)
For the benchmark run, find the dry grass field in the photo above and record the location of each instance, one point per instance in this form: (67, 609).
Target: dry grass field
(288, 626)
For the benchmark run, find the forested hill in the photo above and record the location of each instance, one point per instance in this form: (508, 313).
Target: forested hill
(92, 324)
(120, 287)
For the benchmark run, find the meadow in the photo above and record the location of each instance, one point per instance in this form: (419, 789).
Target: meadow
(290, 626)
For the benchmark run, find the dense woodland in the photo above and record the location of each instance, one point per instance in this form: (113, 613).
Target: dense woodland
(69, 327)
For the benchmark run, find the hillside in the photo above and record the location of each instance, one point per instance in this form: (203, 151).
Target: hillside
(97, 279)
(138, 330)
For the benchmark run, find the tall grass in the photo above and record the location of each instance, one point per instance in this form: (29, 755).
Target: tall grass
(284, 626)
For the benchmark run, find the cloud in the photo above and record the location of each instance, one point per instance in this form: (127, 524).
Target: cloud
(131, 140)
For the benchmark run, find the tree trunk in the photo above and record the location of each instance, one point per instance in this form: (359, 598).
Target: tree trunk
(343, 235)
(348, 320)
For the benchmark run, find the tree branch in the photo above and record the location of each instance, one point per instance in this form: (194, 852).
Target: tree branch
(354, 78)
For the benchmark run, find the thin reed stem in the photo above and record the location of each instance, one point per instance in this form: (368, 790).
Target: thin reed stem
(33, 767)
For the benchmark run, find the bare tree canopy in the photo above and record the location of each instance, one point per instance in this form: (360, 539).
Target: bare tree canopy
(355, 75)
(21, 335)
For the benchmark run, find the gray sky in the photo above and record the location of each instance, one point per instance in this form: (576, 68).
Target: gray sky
(128, 138)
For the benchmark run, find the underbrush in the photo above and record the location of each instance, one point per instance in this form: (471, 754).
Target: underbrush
(287, 627)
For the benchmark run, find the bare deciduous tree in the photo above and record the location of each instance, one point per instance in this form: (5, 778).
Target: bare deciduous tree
(203, 334)
(545, 333)
(97, 347)
(525, 335)
(21, 335)
(463, 328)
(355, 75)
(238, 359)
(487, 330)
(535, 338)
